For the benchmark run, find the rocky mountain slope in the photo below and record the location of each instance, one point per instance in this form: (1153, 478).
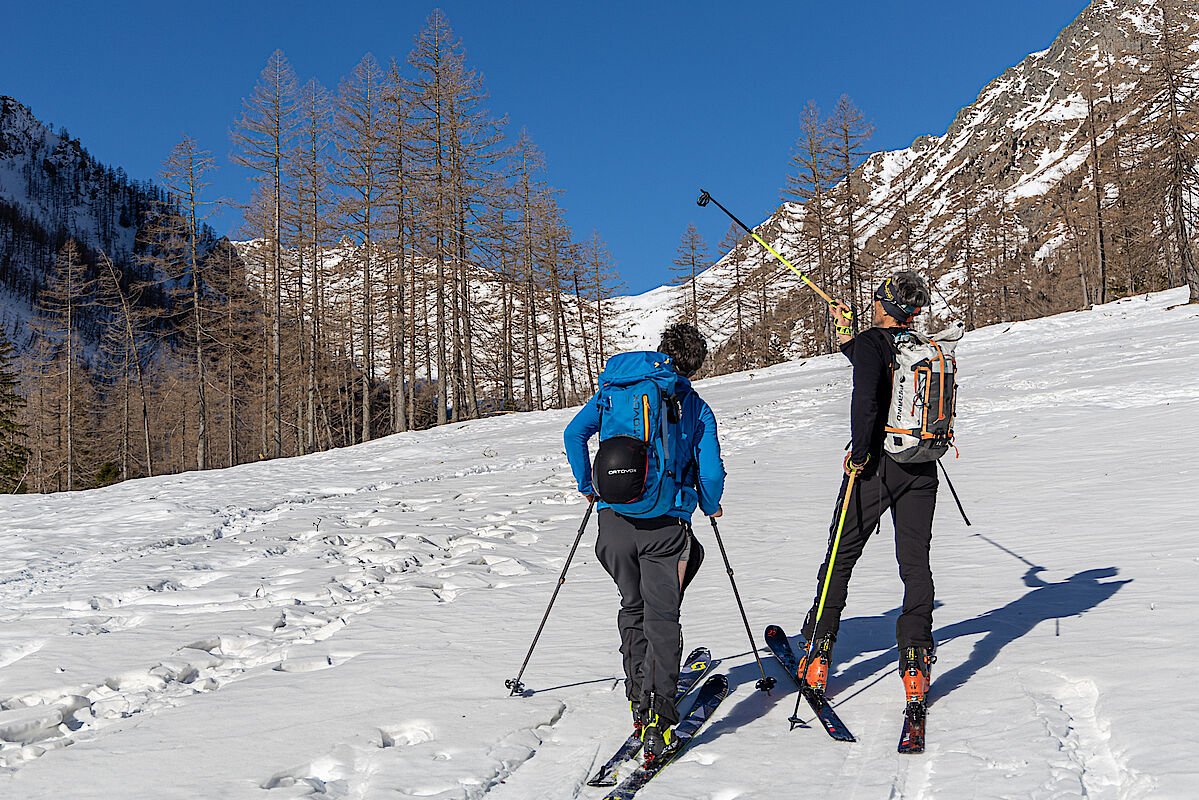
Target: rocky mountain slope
(51, 188)
(1025, 137)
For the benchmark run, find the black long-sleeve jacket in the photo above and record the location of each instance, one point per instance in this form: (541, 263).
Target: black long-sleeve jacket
(872, 354)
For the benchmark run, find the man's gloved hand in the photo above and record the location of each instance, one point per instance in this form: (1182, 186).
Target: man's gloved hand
(842, 318)
(853, 468)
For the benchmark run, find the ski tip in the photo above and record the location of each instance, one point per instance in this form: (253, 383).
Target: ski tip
(773, 631)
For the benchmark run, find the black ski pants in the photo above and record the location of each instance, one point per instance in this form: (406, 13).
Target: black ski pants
(910, 492)
(643, 556)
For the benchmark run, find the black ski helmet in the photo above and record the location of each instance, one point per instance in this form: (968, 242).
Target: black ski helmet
(621, 468)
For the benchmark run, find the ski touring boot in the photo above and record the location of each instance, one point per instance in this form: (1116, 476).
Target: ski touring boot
(657, 737)
(915, 670)
(814, 673)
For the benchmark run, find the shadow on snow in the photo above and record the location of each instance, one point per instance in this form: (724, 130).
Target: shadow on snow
(999, 627)
(1045, 601)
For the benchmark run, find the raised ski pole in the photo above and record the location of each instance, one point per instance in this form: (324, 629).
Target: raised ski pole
(954, 491)
(765, 684)
(828, 574)
(514, 684)
(705, 198)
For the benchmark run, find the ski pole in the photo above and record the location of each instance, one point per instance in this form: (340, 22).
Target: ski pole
(765, 684)
(705, 198)
(954, 491)
(514, 684)
(828, 574)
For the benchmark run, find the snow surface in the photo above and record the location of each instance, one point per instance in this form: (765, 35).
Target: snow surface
(340, 625)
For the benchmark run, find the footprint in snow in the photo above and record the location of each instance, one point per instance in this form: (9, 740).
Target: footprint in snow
(406, 734)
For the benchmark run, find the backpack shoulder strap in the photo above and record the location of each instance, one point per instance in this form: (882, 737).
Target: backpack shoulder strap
(689, 411)
(891, 343)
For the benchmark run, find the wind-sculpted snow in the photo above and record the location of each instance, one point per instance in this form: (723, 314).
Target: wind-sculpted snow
(341, 625)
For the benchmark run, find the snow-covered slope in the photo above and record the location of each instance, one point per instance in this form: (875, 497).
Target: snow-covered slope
(340, 625)
(53, 179)
(51, 188)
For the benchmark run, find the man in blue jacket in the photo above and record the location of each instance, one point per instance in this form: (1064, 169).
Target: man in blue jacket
(653, 559)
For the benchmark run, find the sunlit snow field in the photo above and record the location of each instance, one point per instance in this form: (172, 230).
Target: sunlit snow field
(341, 625)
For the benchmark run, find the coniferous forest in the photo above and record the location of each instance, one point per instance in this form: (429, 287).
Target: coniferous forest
(404, 261)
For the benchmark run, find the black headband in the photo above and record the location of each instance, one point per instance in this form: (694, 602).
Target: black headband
(885, 294)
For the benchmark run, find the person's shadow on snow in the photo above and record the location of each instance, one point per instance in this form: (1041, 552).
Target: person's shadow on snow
(1073, 596)
(1046, 601)
(859, 636)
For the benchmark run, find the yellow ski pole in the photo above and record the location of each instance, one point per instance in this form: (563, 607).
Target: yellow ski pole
(705, 198)
(828, 574)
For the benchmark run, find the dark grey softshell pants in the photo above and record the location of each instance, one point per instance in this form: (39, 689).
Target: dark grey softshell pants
(642, 556)
(910, 492)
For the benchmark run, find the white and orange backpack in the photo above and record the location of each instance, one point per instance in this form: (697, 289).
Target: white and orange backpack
(923, 395)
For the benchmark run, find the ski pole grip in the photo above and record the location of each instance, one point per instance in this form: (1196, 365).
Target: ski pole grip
(845, 309)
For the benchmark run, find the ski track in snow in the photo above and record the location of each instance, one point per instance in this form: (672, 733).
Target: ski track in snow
(366, 568)
(340, 625)
(1088, 767)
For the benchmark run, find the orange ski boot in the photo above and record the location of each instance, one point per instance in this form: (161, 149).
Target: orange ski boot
(915, 670)
(815, 672)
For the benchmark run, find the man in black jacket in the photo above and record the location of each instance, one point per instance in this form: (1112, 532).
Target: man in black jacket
(908, 490)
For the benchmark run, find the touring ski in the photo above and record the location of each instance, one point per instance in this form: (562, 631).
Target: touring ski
(778, 643)
(696, 665)
(911, 741)
(714, 690)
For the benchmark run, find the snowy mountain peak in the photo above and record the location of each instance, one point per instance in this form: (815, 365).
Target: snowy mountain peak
(51, 188)
(21, 133)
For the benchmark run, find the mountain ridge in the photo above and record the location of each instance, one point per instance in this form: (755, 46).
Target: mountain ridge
(1020, 140)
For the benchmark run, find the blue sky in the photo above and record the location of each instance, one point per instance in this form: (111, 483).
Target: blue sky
(636, 104)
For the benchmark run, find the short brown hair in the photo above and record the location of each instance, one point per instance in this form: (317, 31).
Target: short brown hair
(686, 347)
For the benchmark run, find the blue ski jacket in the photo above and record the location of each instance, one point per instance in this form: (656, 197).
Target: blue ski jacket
(703, 486)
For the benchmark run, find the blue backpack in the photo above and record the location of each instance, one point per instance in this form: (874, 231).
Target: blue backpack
(636, 470)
